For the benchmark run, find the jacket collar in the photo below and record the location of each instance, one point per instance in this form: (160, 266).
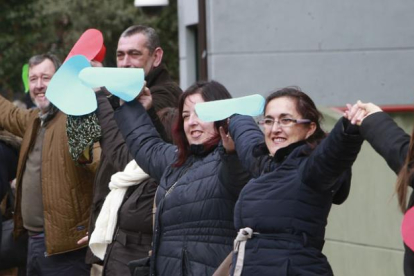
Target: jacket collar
(200, 150)
(158, 75)
(49, 115)
(281, 154)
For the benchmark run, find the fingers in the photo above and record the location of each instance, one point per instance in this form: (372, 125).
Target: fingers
(369, 107)
(95, 63)
(350, 111)
(147, 91)
(228, 142)
(358, 117)
(223, 134)
(83, 240)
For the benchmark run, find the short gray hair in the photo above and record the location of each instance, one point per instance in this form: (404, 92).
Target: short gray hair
(153, 40)
(37, 59)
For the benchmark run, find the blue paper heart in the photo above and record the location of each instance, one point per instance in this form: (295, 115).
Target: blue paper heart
(67, 92)
(126, 83)
(219, 110)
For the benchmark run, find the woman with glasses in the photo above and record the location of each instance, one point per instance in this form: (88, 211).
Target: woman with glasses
(282, 212)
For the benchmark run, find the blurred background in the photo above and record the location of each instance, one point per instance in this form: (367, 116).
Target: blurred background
(30, 27)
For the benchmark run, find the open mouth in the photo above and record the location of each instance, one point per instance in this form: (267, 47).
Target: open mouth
(278, 140)
(196, 133)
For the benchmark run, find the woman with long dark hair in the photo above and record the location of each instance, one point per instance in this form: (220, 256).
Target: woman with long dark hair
(199, 182)
(397, 148)
(296, 174)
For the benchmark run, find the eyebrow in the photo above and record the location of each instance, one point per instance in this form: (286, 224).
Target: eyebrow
(281, 115)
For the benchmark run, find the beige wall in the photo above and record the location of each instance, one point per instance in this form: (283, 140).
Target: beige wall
(363, 234)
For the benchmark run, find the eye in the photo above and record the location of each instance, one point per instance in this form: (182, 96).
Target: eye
(185, 116)
(286, 121)
(268, 122)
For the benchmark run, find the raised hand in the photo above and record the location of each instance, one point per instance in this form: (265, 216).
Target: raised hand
(228, 142)
(358, 112)
(145, 98)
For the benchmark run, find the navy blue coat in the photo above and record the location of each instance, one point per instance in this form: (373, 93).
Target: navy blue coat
(393, 144)
(194, 229)
(288, 200)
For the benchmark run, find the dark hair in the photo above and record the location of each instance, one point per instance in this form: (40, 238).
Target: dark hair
(209, 91)
(153, 40)
(306, 108)
(167, 116)
(35, 60)
(405, 176)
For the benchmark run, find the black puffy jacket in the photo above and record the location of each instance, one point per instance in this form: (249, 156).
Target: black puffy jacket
(288, 200)
(194, 228)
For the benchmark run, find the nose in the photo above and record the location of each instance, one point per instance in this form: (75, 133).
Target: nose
(125, 62)
(193, 120)
(39, 83)
(276, 127)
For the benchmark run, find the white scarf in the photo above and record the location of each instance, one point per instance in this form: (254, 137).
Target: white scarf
(107, 219)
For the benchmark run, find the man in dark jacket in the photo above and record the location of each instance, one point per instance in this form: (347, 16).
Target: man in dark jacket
(138, 47)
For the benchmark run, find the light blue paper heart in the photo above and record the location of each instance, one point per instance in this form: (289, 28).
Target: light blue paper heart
(67, 92)
(219, 110)
(126, 83)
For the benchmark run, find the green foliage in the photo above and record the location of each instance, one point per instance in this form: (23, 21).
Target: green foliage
(30, 27)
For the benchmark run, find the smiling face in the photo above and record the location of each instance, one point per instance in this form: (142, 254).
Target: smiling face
(277, 137)
(132, 52)
(196, 131)
(39, 78)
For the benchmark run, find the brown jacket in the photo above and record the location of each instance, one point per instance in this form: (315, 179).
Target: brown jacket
(66, 187)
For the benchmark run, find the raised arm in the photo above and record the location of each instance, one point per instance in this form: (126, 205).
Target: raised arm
(14, 119)
(380, 130)
(152, 154)
(247, 135)
(112, 143)
(334, 155)
(387, 138)
(231, 174)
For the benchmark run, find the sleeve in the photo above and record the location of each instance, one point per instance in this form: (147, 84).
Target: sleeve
(152, 154)
(232, 174)
(332, 157)
(246, 136)
(158, 125)
(112, 143)
(387, 138)
(14, 119)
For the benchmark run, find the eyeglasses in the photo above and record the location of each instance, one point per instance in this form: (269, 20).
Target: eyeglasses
(283, 122)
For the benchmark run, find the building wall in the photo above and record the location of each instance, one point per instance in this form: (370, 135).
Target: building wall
(337, 51)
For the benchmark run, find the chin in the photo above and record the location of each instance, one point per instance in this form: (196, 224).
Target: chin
(42, 105)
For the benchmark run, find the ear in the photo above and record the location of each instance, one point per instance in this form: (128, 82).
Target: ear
(158, 53)
(311, 130)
